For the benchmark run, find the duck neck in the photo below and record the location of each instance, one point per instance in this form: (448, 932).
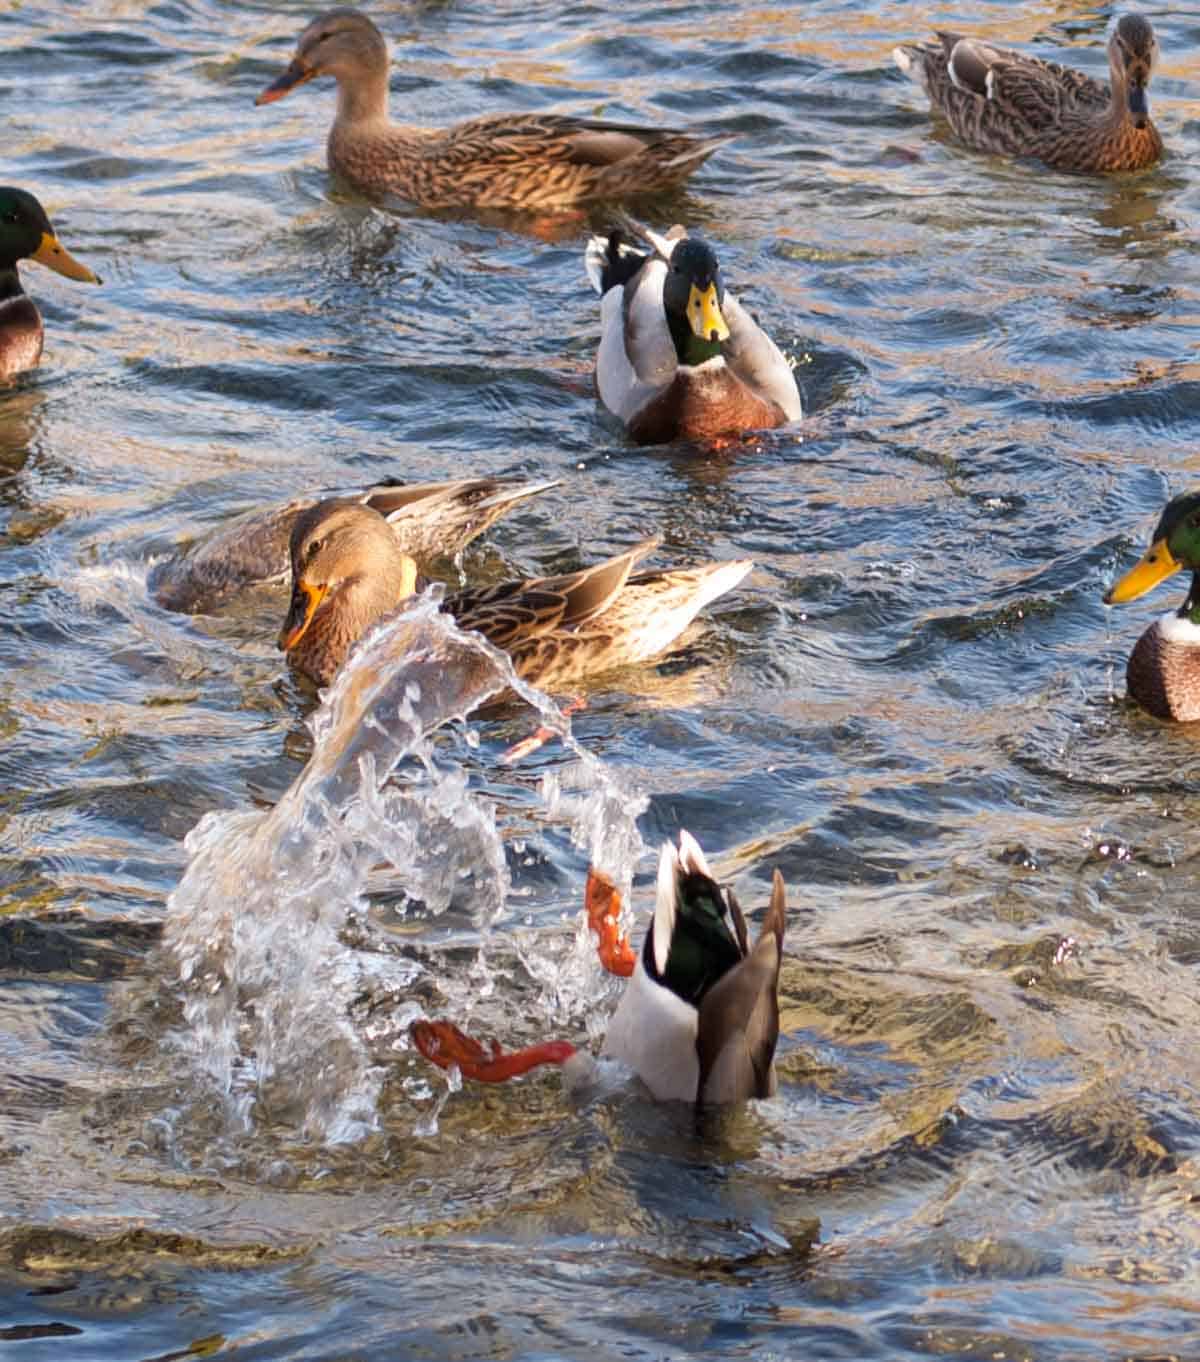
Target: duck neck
(363, 98)
(1190, 609)
(10, 282)
(689, 348)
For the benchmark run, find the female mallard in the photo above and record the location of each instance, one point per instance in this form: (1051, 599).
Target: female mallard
(699, 1019)
(516, 161)
(348, 572)
(678, 357)
(428, 520)
(26, 234)
(1163, 673)
(1002, 101)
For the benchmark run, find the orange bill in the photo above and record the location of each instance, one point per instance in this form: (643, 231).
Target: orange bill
(295, 75)
(305, 600)
(1154, 566)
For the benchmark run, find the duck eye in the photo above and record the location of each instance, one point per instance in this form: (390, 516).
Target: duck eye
(314, 548)
(11, 219)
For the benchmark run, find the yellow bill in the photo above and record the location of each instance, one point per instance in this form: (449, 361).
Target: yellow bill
(305, 600)
(1154, 566)
(53, 253)
(704, 314)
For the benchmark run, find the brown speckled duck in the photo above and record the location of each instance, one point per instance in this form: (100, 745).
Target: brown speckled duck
(428, 520)
(539, 162)
(1002, 101)
(26, 234)
(1163, 673)
(348, 573)
(679, 357)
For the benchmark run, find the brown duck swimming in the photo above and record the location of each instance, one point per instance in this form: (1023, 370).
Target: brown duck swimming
(679, 357)
(1002, 101)
(1163, 673)
(348, 573)
(537, 162)
(428, 520)
(26, 234)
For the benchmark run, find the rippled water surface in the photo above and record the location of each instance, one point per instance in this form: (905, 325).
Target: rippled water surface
(986, 1138)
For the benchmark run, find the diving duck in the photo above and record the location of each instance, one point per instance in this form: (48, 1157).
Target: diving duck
(699, 1018)
(1001, 101)
(538, 162)
(679, 358)
(1163, 672)
(428, 520)
(348, 572)
(26, 234)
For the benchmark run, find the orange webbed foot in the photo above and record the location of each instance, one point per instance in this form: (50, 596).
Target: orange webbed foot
(603, 904)
(541, 736)
(443, 1044)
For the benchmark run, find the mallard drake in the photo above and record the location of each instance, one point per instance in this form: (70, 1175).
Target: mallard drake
(428, 520)
(1163, 672)
(26, 234)
(1006, 102)
(699, 1018)
(348, 572)
(679, 358)
(507, 161)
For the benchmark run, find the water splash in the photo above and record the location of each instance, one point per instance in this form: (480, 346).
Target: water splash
(255, 928)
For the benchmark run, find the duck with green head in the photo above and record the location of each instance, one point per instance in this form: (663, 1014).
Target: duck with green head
(699, 1019)
(679, 357)
(26, 234)
(1163, 673)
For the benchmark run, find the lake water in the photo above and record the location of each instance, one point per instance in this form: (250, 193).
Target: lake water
(986, 1142)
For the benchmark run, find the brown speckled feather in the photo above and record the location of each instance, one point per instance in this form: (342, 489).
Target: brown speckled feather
(1164, 676)
(516, 161)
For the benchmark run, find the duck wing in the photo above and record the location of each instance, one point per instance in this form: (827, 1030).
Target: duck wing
(755, 358)
(1036, 92)
(739, 1015)
(515, 613)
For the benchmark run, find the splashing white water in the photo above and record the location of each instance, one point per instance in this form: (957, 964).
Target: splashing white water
(255, 926)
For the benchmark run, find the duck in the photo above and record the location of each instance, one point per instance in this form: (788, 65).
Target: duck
(1163, 671)
(679, 357)
(26, 234)
(428, 520)
(349, 572)
(698, 1021)
(533, 162)
(1002, 101)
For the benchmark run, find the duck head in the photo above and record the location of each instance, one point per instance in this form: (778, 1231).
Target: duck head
(26, 234)
(347, 573)
(1175, 544)
(1132, 52)
(341, 43)
(692, 296)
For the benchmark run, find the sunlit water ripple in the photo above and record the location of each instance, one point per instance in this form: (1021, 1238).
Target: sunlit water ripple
(984, 1144)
